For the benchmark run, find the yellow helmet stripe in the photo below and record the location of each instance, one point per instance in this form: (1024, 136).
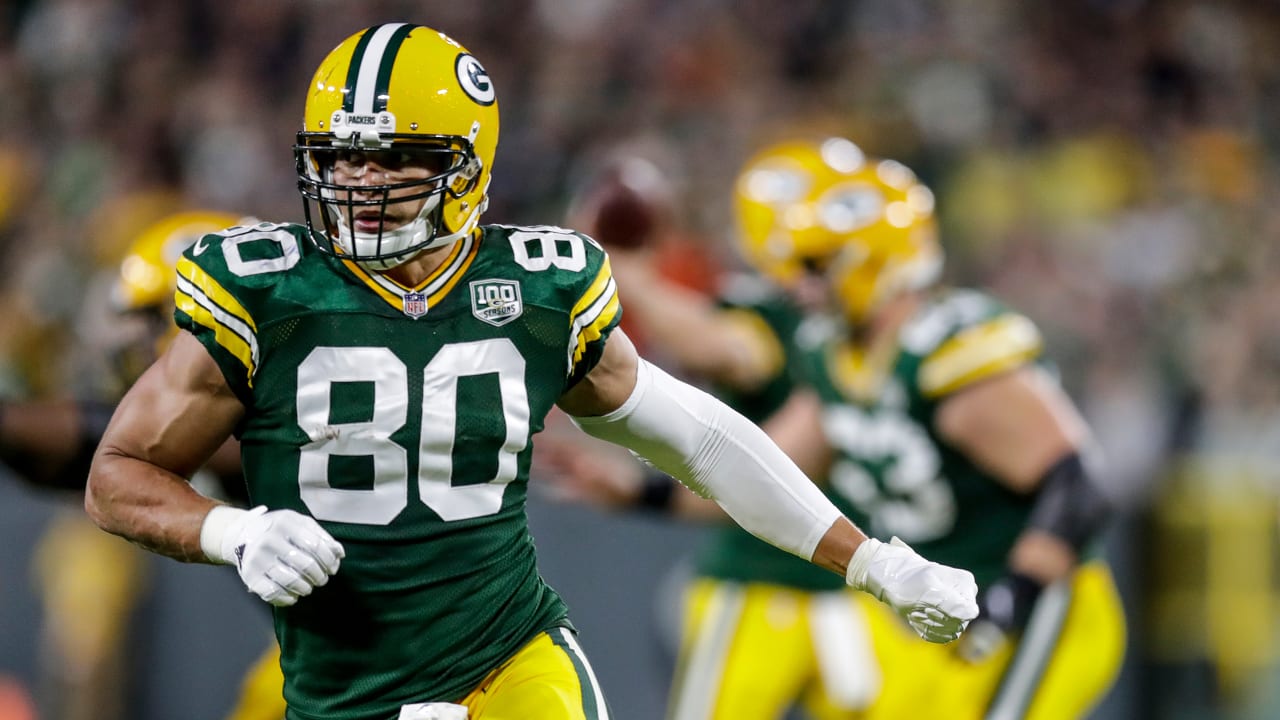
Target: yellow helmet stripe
(979, 352)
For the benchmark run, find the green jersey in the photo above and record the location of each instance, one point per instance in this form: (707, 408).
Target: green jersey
(896, 474)
(732, 553)
(401, 419)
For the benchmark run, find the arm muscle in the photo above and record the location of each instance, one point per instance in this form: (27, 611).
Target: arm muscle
(168, 425)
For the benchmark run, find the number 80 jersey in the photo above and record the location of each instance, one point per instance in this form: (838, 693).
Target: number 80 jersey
(401, 419)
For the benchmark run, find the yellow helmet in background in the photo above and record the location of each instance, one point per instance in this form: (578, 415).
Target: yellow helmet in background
(410, 89)
(866, 223)
(147, 276)
(143, 291)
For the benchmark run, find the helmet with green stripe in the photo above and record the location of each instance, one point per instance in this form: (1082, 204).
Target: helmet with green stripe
(406, 96)
(866, 223)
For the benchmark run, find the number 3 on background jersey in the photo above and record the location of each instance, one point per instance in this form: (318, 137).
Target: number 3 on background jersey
(372, 438)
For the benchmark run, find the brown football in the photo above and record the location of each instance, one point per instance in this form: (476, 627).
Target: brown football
(628, 206)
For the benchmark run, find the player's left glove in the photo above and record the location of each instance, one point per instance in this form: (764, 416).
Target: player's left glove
(1003, 611)
(937, 601)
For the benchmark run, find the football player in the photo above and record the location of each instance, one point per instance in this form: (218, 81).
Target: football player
(385, 366)
(933, 417)
(943, 425)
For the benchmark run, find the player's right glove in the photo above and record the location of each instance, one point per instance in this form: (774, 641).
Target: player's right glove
(937, 601)
(281, 555)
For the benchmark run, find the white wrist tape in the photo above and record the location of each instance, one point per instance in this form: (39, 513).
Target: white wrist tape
(223, 519)
(857, 573)
(721, 455)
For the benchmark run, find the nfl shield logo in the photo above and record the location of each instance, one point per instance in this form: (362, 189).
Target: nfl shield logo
(415, 304)
(496, 302)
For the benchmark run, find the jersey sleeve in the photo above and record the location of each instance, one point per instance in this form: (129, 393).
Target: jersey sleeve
(596, 311)
(213, 305)
(977, 350)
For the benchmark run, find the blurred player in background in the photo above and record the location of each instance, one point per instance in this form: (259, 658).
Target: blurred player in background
(932, 414)
(91, 582)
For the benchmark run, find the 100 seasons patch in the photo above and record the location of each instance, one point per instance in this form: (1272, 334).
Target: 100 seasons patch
(496, 302)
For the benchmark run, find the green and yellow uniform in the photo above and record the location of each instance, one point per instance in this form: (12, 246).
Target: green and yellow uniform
(898, 476)
(765, 630)
(401, 419)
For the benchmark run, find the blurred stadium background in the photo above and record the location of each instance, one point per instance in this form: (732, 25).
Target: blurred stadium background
(1108, 166)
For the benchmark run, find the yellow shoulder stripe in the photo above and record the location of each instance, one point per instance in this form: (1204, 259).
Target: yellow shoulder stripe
(232, 342)
(210, 287)
(593, 292)
(591, 314)
(211, 306)
(593, 330)
(979, 352)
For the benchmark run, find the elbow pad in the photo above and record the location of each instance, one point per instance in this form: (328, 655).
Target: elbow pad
(1069, 504)
(721, 455)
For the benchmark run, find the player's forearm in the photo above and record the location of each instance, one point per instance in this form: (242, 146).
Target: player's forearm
(146, 505)
(838, 545)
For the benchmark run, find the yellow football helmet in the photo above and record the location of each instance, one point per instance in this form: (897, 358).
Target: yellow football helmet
(824, 206)
(147, 277)
(143, 290)
(410, 89)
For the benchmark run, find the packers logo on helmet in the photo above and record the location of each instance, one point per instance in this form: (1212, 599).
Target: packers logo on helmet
(417, 93)
(866, 223)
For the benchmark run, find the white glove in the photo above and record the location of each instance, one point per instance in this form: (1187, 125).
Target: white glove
(937, 601)
(281, 555)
